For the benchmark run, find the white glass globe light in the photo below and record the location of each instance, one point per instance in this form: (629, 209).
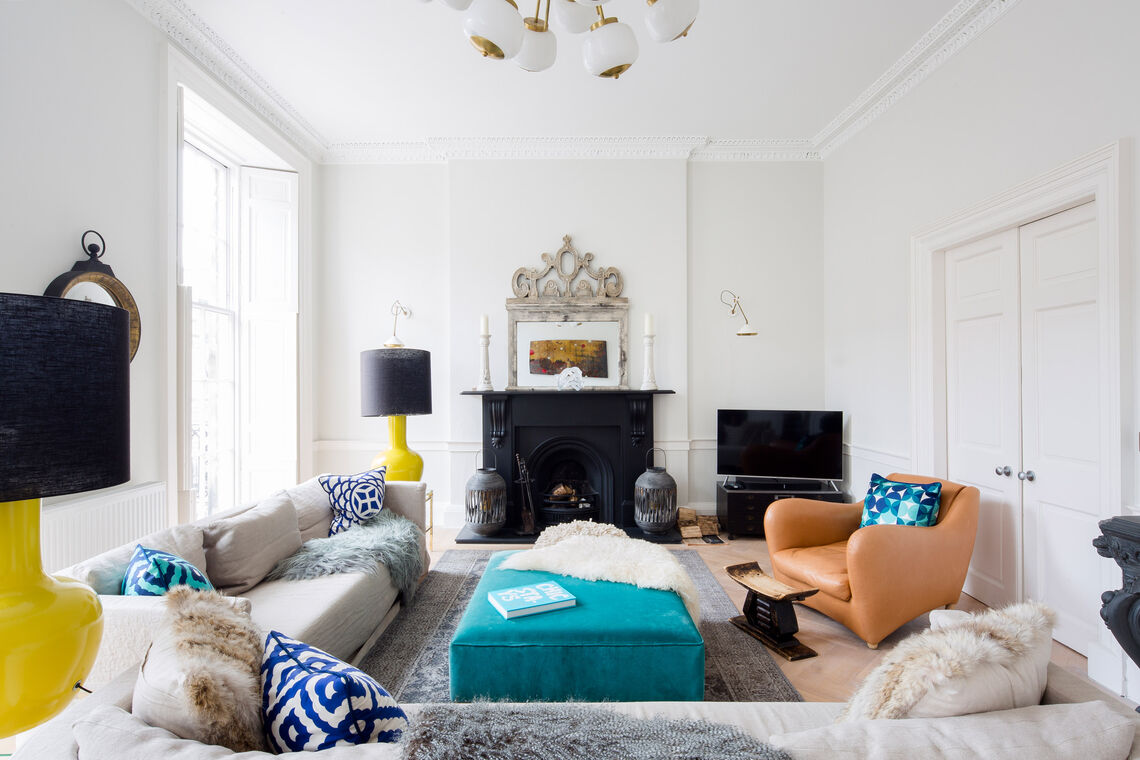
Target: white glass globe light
(670, 19)
(610, 49)
(494, 27)
(573, 17)
(539, 47)
(459, 5)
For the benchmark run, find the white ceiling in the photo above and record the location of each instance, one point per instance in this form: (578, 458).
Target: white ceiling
(384, 71)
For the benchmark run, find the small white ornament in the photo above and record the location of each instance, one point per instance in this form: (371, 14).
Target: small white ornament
(570, 379)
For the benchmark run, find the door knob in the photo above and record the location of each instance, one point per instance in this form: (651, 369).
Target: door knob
(1029, 475)
(1003, 470)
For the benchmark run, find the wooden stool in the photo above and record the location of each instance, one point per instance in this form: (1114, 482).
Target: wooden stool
(768, 612)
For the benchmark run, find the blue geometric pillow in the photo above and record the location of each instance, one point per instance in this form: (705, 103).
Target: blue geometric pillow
(152, 573)
(311, 700)
(889, 502)
(353, 498)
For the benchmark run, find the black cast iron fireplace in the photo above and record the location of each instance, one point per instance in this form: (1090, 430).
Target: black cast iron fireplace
(593, 442)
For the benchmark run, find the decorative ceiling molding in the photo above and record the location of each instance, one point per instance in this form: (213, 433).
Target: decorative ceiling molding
(451, 148)
(952, 33)
(183, 27)
(757, 150)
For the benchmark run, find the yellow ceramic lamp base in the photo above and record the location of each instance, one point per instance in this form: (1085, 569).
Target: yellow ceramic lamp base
(49, 627)
(402, 462)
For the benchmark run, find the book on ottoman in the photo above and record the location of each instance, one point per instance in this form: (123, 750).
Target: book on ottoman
(529, 600)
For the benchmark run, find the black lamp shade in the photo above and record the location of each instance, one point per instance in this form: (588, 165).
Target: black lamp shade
(395, 381)
(64, 396)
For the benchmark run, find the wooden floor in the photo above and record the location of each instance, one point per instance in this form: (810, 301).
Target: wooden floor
(843, 659)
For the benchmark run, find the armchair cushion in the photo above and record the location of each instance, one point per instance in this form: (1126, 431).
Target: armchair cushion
(891, 502)
(821, 567)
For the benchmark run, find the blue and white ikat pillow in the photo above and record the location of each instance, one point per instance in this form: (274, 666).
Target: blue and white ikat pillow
(311, 700)
(353, 498)
(890, 502)
(152, 573)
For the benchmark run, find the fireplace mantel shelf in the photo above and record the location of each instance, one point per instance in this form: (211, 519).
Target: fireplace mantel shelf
(555, 391)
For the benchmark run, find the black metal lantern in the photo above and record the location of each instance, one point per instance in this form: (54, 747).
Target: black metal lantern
(655, 498)
(486, 501)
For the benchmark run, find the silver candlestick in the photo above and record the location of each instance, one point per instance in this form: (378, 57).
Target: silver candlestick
(485, 378)
(648, 381)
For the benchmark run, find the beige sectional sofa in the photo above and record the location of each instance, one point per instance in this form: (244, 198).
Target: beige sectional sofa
(342, 614)
(1075, 720)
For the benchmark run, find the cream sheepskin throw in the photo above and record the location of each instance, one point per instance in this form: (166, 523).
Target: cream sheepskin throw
(610, 558)
(556, 533)
(201, 677)
(995, 660)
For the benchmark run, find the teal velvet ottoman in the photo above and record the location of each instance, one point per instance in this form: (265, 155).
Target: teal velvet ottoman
(619, 643)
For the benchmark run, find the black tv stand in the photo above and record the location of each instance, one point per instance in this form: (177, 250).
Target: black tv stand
(740, 505)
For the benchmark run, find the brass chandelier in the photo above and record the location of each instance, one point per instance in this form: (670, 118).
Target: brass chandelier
(498, 30)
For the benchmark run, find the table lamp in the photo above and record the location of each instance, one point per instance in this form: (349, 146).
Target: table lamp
(396, 382)
(64, 428)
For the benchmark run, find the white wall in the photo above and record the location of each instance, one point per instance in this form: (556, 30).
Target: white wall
(1052, 81)
(446, 238)
(79, 149)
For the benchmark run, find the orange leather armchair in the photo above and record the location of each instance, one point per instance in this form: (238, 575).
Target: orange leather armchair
(873, 579)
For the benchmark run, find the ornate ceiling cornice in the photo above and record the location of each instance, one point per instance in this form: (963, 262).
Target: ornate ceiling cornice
(183, 27)
(953, 32)
(960, 26)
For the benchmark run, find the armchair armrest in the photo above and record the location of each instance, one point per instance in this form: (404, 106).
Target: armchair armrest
(807, 522)
(921, 563)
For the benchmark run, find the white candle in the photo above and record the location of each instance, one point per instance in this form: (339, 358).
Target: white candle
(484, 325)
(649, 324)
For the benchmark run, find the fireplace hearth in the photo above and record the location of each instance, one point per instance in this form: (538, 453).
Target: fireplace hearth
(593, 442)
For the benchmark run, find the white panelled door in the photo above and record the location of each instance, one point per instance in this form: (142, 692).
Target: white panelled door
(1023, 358)
(983, 405)
(1061, 366)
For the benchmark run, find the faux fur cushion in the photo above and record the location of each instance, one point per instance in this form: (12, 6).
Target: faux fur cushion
(556, 533)
(201, 677)
(995, 660)
(609, 558)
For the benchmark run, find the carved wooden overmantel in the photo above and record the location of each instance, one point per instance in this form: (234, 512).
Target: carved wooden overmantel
(567, 287)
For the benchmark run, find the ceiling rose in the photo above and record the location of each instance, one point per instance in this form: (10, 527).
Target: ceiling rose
(497, 30)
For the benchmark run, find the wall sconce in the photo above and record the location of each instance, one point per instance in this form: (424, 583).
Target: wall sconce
(398, 310)
(733, 300)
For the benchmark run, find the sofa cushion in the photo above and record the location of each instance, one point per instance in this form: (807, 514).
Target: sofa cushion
(1042, 732)
(313, 701)
(200, 678)
(241, 550)
(153, 573)
(823, 567)
(104, 572)
(994, 660)
(336, 613)
(314, 513)
(890, 502)
(354, 498)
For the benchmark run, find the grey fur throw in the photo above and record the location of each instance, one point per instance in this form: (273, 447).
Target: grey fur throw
(486, 731)
(387, 538)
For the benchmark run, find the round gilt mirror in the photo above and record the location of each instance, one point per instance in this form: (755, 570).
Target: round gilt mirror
(92, 280)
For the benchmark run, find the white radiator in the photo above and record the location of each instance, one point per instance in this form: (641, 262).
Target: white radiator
(80, 526)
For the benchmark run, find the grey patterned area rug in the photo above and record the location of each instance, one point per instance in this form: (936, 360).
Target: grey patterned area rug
(410, 660)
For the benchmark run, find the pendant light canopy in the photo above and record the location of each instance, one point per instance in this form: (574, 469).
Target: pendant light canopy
(498, 31)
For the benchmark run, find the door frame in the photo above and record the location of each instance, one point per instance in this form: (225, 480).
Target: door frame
(1094, 176)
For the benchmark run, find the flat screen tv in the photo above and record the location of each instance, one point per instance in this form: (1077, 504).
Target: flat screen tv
(765, 443)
